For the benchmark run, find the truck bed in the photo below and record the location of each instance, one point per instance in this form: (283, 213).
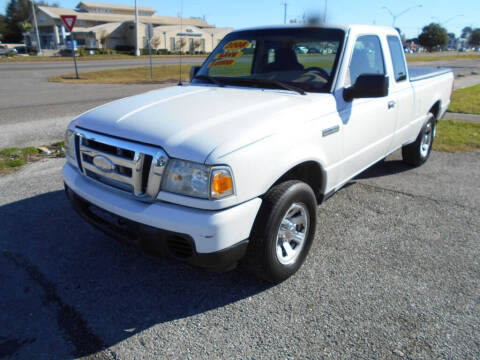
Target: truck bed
(417, 73)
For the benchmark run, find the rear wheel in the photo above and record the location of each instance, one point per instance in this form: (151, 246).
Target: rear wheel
(283, 231)
(418, 152)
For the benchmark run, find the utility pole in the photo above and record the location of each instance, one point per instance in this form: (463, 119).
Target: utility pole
(325, 12)
(284, 12)
(36, 29)
(137, 50)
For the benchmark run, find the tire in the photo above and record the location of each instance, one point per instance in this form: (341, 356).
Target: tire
(418, 152)
(275, 253)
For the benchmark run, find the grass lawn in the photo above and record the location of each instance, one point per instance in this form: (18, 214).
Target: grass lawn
(457, 136)
(86, 58)
(466, 101)
(454, 56)
(137, 75)
(14, 158)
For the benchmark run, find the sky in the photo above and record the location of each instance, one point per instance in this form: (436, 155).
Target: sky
(454, 15)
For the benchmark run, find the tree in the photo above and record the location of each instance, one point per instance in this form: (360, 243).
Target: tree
(3, 27)
(180, 44)
(155, 42)
(104, 38)
(475, 38)
(433, 36)
(18, 11)
(26, 27)
(466, 32)
(196, 45)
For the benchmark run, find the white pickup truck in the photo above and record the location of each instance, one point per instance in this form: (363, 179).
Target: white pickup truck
(231, 167)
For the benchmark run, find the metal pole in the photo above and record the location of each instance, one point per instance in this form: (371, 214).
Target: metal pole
(137, 50)
(285, 12)
(325, 13)
(150, 30)
(36, 29)
(395, 16)
(74, 55)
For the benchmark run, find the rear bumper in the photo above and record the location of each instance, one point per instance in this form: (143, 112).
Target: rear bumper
(211, 239)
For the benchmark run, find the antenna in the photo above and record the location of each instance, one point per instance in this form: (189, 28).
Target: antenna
(181, 43)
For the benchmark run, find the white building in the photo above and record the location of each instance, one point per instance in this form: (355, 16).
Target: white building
(112, 27)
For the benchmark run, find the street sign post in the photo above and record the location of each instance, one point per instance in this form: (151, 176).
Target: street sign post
(149, 40)
(69, 22)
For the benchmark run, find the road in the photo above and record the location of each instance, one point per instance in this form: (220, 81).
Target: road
(393, 273)
(34, 111)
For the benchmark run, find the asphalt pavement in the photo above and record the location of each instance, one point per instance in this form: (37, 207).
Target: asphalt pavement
(34, 111)
(394, 273)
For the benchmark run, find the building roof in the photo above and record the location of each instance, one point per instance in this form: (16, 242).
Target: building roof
(55, 13)
(89, 4)
(108, 28)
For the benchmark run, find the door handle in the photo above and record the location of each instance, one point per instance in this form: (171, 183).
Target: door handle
(391, 104)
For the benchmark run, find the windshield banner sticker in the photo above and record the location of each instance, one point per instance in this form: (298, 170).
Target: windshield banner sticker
(228, 62)
(236, 45)
(228, 55)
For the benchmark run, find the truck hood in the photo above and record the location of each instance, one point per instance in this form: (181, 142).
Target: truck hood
(190, 122)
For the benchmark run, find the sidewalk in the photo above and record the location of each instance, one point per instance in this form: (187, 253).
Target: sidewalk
(466, 81)
(461, 117)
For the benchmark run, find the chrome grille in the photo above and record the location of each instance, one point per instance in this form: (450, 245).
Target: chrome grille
(125, 165)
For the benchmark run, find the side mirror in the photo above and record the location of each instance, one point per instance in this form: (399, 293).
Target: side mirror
(367, 86)
(194, 71)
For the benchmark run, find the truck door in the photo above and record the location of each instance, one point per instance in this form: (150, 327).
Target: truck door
(401, 91)
(368, 123)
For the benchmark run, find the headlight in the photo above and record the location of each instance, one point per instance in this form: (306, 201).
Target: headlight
(70, 144)
(197, 180)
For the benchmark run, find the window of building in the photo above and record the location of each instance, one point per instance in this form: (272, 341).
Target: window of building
(102, 11)
(172, 44)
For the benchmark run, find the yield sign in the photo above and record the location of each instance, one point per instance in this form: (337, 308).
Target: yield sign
(69, 21)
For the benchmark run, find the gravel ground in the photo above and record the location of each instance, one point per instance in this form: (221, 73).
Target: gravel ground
(394, 273)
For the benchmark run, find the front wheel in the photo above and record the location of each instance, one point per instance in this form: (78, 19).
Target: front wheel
(418, 152)
(283, 232)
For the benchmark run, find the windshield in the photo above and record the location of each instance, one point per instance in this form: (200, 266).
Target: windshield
(302, 58)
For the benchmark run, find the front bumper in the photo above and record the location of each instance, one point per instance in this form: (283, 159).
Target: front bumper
(212, 239)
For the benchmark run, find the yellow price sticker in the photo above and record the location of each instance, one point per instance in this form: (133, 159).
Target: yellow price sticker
(236, 45)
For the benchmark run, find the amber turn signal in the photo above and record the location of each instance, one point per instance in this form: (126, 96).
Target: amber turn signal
(222, 183)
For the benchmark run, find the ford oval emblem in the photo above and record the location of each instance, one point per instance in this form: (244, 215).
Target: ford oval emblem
(103, 163)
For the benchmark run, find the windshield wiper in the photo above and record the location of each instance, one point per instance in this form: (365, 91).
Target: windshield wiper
(277, 83)
(208, 78)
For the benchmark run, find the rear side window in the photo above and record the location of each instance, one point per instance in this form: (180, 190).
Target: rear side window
(367, 58)
(396, 53)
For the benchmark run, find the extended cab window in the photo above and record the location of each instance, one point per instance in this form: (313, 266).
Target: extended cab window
(396, 53)
(367, 58)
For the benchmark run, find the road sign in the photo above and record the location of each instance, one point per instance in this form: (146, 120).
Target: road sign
(69, 21)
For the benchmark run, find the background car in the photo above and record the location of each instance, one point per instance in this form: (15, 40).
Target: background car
(65, 53)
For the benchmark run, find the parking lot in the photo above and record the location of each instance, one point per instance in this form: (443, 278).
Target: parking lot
(394, 273)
